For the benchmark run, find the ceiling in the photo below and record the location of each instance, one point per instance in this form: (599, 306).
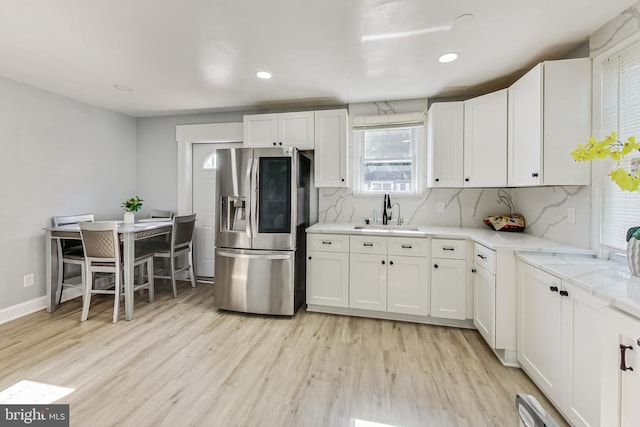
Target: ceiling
(203, 55)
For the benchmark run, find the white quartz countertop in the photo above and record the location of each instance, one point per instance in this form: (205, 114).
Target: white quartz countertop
(608, 280)
(484, 236)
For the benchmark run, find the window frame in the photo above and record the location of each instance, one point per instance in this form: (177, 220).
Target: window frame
(600, 169)
(361, 124)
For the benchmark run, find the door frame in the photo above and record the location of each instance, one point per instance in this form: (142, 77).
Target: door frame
(186, 136)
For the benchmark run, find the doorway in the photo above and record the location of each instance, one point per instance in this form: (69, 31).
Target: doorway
(204, 184)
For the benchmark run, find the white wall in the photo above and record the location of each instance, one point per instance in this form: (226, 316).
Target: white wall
(157, 167)
(58, 156)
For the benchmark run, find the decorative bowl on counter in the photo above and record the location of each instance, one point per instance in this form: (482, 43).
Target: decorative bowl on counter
(513, 222)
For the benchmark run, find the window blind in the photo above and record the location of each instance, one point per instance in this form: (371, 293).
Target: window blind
(620, 113)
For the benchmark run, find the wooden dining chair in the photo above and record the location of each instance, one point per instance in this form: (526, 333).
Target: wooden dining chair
(70, 253)
(180, 244)
(102, 255)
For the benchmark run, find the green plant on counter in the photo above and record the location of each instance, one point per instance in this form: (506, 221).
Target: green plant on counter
(133, 204)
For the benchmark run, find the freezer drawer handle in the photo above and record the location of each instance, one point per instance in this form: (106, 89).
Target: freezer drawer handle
(367, 244)
(623, 357)
(326, 242)
(407, 246)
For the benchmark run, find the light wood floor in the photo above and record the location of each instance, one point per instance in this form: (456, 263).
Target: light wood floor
(180, 362)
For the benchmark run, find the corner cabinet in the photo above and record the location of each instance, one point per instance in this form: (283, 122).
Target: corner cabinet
(549, 113)
(445, 123)
(282, 129)
(328, 269)
(331, 161)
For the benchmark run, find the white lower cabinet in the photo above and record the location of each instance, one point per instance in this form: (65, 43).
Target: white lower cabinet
(484, 304)
(389, 274)
(328, 270)
(368, 281)
(407, 285)
(559, 342)
(621, 370)
(448, 279)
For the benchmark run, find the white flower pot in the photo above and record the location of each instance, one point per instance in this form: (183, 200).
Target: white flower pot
(633, 256)
(129, 217)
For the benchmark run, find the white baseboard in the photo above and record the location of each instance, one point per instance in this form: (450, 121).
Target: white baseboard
(22, 309)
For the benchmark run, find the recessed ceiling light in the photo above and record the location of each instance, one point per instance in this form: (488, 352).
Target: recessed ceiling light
(263, 75)
(448, 57)
(122, 88)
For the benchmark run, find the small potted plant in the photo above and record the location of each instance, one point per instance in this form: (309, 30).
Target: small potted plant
(130, 206)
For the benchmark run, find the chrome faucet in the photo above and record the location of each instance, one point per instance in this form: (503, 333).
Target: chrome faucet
(400, 221)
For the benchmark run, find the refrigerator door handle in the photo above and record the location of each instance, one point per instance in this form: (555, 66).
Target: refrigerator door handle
(253, 212)
(248, 209)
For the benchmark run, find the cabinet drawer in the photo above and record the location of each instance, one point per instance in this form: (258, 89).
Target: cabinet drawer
(368, 245)
(328, 242)
(408, 246)
(447, 248)
(485, 258)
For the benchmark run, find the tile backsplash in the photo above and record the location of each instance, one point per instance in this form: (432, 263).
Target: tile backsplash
(545, 209)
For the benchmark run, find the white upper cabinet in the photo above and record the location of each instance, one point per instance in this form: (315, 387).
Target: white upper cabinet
(331, 148)
(485, 140)
(549, 114)
(445, 144)
(283, 129)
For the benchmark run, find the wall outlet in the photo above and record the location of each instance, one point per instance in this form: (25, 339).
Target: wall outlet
(440, 207)
(29, 280)
(571, 215)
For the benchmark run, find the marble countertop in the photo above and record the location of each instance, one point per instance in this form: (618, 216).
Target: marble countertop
(484, 236)
(608, 280)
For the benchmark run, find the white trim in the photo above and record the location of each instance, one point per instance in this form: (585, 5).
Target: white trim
(597, 184)
(186, 136)
(22, 309)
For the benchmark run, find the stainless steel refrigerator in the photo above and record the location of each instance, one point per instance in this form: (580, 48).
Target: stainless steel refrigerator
(262, 212)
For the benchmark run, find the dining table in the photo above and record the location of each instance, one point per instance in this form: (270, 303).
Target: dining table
(128, 234)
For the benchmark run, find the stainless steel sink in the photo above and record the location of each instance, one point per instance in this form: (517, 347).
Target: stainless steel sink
(386, 228)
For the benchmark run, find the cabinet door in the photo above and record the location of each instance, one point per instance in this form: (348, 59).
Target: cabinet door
(368, 281)
(408, 285)
(582, 318)
(260, 130)
(621, 388)
(525, 130)
(448, 294)
(328, 278)
(539, 323)
(484, 304)
(296, 130)
(444, 142)
(485, 140)
(331, 152)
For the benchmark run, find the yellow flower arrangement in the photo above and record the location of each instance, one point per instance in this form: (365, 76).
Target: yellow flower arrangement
(616, 149)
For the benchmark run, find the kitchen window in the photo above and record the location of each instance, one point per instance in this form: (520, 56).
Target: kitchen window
(387, 153)
(619, 112)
